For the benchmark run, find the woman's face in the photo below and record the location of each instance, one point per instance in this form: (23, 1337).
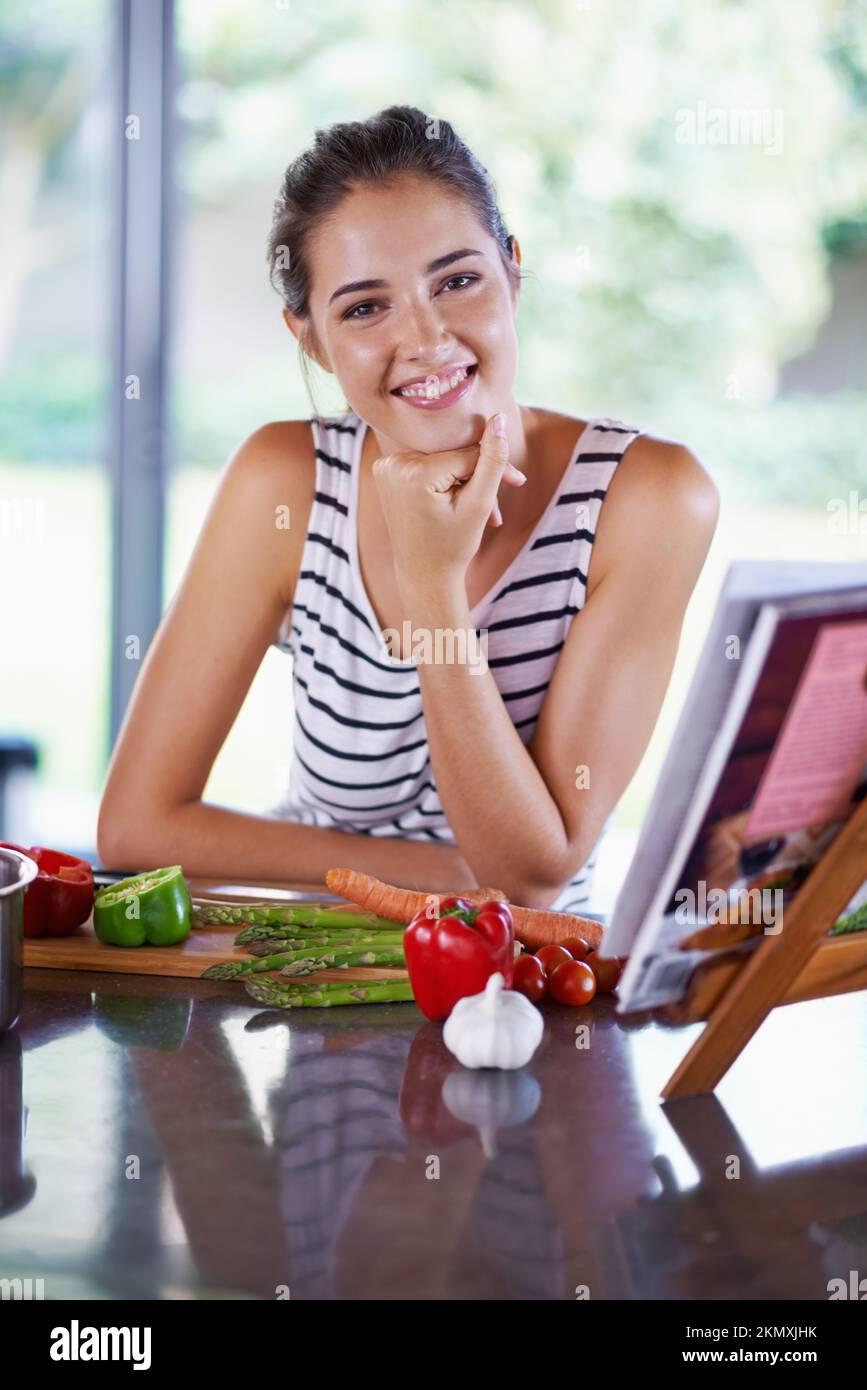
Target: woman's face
(417, 322)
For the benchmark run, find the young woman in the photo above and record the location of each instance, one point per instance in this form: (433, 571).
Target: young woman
(483, 623)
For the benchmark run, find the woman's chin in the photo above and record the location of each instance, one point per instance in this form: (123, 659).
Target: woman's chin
(448, 429)
(440, 441)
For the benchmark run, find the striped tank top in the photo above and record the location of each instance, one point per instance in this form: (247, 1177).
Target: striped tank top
(361, 761)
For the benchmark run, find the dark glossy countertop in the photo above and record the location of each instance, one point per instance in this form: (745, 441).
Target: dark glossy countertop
(298, 1150)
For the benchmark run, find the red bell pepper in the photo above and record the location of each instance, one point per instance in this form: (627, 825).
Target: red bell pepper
(454, 954)
(60, 898)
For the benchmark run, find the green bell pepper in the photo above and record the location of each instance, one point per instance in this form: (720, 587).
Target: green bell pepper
(153, 907)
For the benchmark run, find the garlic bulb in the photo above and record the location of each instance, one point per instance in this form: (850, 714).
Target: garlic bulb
(497, 1028)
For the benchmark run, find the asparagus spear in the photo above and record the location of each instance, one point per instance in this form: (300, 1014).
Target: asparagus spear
(269, 991)
(256, 932)
(380, 941)
(282, 943)
(339, 960)
(293, 943)
(259, 932)
(207, 913)
(231, 969)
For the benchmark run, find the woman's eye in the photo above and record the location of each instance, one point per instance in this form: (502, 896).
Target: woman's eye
(469, 278)
(371, 303)
(353, 313)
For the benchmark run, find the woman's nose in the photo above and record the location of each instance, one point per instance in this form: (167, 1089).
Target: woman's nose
(421, 332)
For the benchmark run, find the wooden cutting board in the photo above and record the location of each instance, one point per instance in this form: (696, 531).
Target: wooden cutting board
(204, 946)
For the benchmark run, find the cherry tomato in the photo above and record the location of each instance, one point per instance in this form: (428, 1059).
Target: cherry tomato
(530, 978)
(607, 970)
(551, 957)
(578, 948)
(572, 983)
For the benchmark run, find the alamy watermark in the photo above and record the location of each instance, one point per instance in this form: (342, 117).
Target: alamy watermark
(22, 1289)
(847, 516)
(22, 520)
(77, 1343)
(440, 646)
(733, 125)
(758, 906)
(855, 1287)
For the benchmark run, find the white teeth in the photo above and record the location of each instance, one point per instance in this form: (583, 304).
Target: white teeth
(431, 390)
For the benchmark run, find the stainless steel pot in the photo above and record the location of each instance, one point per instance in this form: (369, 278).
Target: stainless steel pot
(16, 872)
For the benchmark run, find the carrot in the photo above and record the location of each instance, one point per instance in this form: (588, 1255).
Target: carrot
(533, 928)
(400, 904)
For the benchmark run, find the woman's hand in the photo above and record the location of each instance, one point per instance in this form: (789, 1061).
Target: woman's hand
(436, 506)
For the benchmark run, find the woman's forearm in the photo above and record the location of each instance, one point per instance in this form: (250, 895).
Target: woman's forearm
(215, 842)
(497, 803)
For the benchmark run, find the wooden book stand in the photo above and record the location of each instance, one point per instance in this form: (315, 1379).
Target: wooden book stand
(735, 993)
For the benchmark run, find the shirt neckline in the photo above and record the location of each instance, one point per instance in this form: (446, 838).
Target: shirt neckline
(407, 663)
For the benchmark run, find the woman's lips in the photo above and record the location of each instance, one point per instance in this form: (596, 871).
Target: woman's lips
(441, 402)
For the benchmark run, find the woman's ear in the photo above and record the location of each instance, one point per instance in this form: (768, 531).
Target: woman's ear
(295, 325)
(300, 330)
(515, 248)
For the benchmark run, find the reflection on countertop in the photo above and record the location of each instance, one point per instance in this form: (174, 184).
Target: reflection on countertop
(161, 1139)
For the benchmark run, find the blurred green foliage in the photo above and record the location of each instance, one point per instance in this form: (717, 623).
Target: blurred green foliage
(660, 269)
(53, 405)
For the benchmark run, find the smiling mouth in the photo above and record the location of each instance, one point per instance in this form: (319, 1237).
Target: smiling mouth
(439, 387)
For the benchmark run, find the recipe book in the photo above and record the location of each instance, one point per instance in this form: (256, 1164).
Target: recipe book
(768, 761)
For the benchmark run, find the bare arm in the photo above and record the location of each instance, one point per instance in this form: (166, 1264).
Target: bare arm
(516, 811)
(198, 669)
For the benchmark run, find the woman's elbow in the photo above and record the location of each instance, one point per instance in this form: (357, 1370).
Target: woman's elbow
(107, 847)
(542, 890)
(535, 893)
(539, 897)
(129, 838)
(111, 845)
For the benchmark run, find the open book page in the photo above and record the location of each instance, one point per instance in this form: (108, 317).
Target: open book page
(746, 586)
(783, 769)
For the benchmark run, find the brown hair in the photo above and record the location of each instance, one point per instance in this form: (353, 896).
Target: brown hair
(396, 141)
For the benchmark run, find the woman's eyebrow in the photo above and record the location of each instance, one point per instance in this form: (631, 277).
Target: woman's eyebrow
(439, 264)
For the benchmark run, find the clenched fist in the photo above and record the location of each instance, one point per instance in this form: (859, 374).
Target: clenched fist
(436, 505)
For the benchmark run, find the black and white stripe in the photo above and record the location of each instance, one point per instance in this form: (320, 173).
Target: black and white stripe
(361, 760)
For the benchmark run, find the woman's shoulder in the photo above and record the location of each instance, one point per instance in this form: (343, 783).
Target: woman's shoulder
(274, 441)
(276, 457)
(662, 493)
(650, 465)
(279, 442)
(661, 476)
(273, 468)
(651, 469)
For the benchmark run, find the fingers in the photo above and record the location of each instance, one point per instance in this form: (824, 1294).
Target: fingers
(515, 478)
(479, 494)
(452, 469)
(473, 473)
(456, 467)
